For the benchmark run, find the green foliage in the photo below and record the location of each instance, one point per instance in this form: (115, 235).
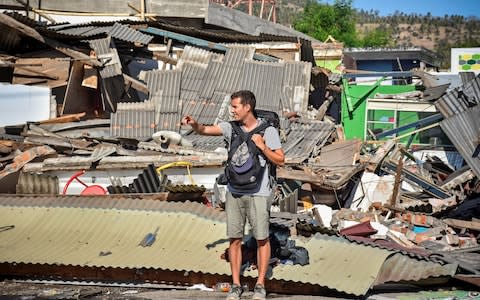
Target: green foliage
(321, 20)
(380, 37)
(338, 20)
(444, 49)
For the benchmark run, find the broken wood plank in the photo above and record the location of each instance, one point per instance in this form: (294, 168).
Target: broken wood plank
(78, 98)
(339, 153)
(55, 71)
(136, 84)
(396, 185)
(24, 157)
(28, 31)
(380, 154)
(64, 119)
(462, 224)
(90, 75)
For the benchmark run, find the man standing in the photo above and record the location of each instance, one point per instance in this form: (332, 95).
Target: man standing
(252, 204)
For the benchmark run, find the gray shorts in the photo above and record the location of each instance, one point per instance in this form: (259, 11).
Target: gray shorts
(254, 208)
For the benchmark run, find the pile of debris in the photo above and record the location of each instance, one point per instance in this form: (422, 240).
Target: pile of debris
(112, 95)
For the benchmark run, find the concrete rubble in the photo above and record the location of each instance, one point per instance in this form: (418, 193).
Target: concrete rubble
(118, 91)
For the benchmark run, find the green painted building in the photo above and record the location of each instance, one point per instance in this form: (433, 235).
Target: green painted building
(365, 113)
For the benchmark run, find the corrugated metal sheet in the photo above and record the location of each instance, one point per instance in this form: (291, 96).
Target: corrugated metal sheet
(118, 31)
(400, 267)
(25, 20)
(264, 79)
(84, 31)
(127, 34)
(119, 202)
(169, 83)
(181, 244)
(296, 83)
(169, 121)
(9, 39)
(31, 183)
(305, 139)
(107, 53)
(133, 120)
(460, 99)
(466, 77)
(192, 77)
(164, 89)
(188, 234)
(225, 76)
(468, 124)
(211, 109)
(212, 78)
(461, 108)
(206, 143)
(196, 56)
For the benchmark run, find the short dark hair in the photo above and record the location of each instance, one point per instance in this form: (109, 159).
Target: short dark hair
(246, 97)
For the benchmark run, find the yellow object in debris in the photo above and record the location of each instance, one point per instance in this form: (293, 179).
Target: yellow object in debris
(186, 164)
(307, 202)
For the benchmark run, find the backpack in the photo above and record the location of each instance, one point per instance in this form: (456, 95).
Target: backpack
(273, 120)
(243, 170)
(269, 117)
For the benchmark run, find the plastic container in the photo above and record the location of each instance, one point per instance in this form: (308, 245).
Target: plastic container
(222, 287)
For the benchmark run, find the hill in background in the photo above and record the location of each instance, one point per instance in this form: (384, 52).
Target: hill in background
(438, 34)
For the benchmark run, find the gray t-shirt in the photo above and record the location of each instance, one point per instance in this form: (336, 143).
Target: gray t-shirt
(272, 140)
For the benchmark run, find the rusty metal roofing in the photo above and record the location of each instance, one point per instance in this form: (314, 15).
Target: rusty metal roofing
(305, 139)
(106, 52)
(264, 79)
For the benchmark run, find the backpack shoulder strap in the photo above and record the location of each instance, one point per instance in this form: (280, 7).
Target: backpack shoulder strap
(237, 131)
(259, 129)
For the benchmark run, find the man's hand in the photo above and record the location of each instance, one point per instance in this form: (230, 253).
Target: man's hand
(200, 128)
(259, 141)
(188, 120)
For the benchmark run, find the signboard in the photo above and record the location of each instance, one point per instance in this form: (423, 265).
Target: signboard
(465, 60)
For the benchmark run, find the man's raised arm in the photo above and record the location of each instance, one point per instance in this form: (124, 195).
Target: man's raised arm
(200, 128)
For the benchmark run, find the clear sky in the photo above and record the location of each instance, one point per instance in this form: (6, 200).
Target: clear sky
(435, 7)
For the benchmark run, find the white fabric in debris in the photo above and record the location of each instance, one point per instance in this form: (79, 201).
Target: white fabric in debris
(372, 188)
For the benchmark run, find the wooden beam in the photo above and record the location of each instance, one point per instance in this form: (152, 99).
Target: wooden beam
(141, 11)
(36, 11)
(462, 224)
(136, 84)
(28, 31)
(396, 186)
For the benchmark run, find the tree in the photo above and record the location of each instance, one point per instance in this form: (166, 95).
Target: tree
(321, 20)
(380, 37)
